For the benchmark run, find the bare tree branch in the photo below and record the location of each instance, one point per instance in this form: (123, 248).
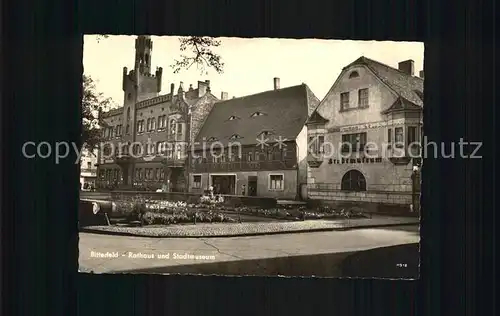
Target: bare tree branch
(202, 54)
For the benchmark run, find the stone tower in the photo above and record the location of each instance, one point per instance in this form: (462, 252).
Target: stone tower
(138, 85)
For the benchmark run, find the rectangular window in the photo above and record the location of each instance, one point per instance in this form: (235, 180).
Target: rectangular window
(179, 128)
(276, 182)
(197, 182)
(321, 142)
(398, 135)
(312, 144)
(344, 100)
(389, 136)
(162, 174)
(353, 142)
(89, 165)
(411, 135)
(250, 156)
(363, 98)
(316, 144)
(270, 155)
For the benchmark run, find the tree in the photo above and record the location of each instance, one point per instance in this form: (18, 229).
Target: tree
(203, 56)
(92, 102)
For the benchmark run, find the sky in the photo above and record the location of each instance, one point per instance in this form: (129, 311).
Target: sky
(250, 64)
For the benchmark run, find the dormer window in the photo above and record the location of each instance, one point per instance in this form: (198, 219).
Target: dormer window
(257, 114)
(265, 134)
(212, 139)
(353, 74)
(232, 118)
(235, 136)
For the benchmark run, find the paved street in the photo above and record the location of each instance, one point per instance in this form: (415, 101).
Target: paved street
(131, 253)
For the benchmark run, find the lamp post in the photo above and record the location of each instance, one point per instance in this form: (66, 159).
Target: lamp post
(189, 136)
(415, 206)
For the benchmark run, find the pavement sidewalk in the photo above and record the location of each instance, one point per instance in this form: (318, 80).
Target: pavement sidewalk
(250, 229)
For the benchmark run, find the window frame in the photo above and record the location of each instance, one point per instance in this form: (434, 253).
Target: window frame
(270, 182)
(193, 178)
(360, 105)
(342, 103)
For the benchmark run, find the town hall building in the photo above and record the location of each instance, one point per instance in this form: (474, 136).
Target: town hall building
(364, 137)
(147, 138)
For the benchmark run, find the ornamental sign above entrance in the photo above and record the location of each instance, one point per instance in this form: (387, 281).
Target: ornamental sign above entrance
(355, 161)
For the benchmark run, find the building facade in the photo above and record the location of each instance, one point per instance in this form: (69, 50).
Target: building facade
(146, 139)
(365, 137)
(88, 170)
(255, 145)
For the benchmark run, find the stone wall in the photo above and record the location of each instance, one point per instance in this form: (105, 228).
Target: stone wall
(398, 198)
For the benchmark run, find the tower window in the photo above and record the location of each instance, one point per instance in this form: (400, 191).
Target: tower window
(129, 96)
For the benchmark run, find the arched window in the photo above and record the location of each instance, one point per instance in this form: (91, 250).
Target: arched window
(128, 113)
(353, 74)
(129, 96)
(353, 180)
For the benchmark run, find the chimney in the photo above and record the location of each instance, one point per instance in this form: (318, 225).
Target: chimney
(407, 66)
(224, 96)
(421, 74)
(172, 88)
(202, 88)
(276, 83)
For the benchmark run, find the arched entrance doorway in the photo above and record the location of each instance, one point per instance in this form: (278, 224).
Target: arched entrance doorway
(353, 180)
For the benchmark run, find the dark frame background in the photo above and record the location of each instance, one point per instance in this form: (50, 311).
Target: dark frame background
(41, 79)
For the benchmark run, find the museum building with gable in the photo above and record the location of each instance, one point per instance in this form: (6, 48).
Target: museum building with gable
(360, 136)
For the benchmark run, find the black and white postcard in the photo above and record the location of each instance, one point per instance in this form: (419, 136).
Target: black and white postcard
(259, 156)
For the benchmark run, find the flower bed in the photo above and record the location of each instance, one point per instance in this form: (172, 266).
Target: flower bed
(168, 213)
(211, 211)
(301, 213)
(184, 217)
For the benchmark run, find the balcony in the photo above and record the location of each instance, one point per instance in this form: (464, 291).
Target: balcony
(174, 162)
(399, 154)
(314, 160)
(235, 166)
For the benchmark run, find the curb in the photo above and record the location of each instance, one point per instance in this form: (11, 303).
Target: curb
(312, 230)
